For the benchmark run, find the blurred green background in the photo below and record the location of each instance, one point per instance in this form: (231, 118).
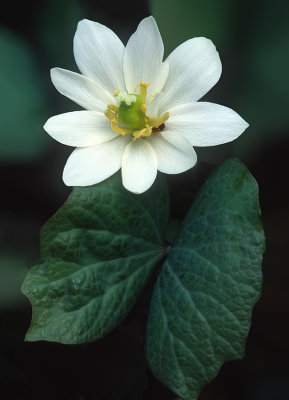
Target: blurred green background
(252, 38)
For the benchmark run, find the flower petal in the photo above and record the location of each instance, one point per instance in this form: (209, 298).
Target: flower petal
(153, 107)
(194, 68)
(174, 152)
(143, 58)
(206, 124)
(139, 166)
(80, 89)
(80, 128)
(90, 165)
(98, 53)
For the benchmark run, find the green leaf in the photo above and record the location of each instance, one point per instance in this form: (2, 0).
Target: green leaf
(202, 302)
(97, 253)
(22, 101)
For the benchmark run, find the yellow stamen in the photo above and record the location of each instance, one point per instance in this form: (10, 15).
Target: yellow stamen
(113, 107)
(143, 132)
(156, 122)
(144, 108)
(111, 115)
(118, 129)
(153, 96)
(142, 90)
(129, 117)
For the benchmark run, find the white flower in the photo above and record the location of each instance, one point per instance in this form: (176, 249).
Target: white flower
(142, 114)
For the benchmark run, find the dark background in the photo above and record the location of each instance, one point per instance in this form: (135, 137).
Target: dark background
(252, 38)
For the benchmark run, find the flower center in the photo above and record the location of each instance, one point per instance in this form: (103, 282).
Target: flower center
(129, 116)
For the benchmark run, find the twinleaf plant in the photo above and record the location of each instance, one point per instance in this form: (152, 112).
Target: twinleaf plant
(99, 250)
(97, 253)
(143, 115)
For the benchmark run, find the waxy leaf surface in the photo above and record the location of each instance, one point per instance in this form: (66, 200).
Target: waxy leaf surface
(96, 255)
(202, 302)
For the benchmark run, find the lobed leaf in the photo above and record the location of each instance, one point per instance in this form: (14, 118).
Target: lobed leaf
(202, 302)
(97, 253)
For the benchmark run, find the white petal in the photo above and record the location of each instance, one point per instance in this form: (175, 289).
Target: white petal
(98, 53)
(159, 82)
(174, 152)
(206, 124)
(80, 128)
(90, 165)
(153, 107)
(80, 89)
(139, 166)
(143, 58)
(194, 68)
